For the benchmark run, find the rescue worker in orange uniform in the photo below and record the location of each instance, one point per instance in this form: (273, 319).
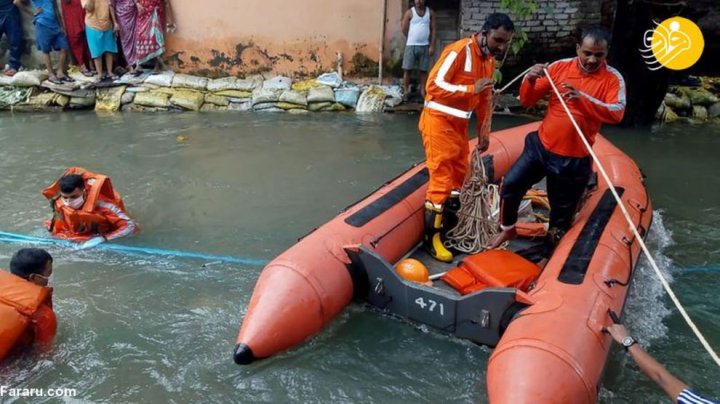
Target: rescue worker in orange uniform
(87, 209)
(26, 313)
(460, 82)
(595, 94)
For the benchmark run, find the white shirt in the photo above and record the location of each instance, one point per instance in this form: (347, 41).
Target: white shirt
(419, 32)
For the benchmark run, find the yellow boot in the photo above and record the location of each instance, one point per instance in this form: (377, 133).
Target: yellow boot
(433, 241)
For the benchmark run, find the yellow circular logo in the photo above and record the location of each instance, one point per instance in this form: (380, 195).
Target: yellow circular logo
(677, 43)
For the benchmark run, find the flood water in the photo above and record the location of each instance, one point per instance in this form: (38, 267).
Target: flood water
(136, 328)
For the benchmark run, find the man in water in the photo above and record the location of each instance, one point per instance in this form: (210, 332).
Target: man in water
(595, 94)
(460, 82)
(87, 209)
(26, 301)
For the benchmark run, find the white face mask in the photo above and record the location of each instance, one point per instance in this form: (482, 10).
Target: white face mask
(76, 203)
(50, 280)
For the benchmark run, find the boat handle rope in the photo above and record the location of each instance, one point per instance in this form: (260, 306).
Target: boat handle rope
(644, 248)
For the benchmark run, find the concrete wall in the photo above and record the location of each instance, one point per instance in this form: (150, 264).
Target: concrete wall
(256, 36)
(550, 31)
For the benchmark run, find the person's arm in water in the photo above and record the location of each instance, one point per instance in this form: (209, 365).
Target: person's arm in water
(671, 385)
(122, 223)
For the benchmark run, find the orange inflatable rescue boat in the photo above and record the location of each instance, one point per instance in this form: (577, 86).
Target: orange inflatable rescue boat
(546, 326)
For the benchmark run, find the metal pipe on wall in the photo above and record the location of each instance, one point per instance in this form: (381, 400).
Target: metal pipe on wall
(382, 41)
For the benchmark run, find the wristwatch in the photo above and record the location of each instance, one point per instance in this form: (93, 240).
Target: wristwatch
(627, 342)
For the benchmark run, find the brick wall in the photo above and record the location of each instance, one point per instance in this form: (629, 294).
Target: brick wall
(551, 31)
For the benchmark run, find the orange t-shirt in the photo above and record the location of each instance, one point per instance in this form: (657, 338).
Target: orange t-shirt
(99, 18)
(602, 101)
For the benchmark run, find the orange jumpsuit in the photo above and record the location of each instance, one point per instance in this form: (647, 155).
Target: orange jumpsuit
(449, 103)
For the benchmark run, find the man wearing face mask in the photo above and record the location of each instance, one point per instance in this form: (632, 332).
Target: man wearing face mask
(595, 94)
(87, 209)
(26, 313)
(460, 82)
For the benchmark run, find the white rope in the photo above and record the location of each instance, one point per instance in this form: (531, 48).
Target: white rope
(478, 198)
(638, 237)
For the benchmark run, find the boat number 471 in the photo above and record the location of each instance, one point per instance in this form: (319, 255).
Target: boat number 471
(430, 305)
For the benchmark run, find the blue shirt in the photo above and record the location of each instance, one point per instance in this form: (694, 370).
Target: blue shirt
(688, 397)
(47, 16)
(6, 6)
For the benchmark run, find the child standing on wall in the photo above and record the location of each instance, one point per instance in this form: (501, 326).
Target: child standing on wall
(101, 29)
(48, 36)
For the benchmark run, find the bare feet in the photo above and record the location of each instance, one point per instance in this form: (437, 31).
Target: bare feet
(503, 236)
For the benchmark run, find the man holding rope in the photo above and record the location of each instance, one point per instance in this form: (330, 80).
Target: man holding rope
(595, 94)
(460, 82)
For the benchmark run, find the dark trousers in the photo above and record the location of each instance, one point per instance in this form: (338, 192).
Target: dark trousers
(567, 178)
(10, 26)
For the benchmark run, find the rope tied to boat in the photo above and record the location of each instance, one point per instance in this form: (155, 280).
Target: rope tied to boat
(632, 226)
(479, 198)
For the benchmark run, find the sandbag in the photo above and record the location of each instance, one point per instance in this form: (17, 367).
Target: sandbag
(5, 81)
(109, 99)
(188, 99)
(240, 106)
(42, 99)
(12, 96)
(330, 79)
(277, 83)
(334, 107)
(218, 100)
(393, 91)
(62, 100)
(298, 111)
(152, 99)
(392, 102)
(305, 85)
(266, 105)
(321, 94)
(30, 78)
(249, 83)
(274, 109)
(225, 83)
(234, 93)
(293, 97)
(347, 96)
(318, 106)
(137, 89)
(192, 82)
(262, 95)
(130, 78)
(287, 106)
(127, 98)
(82, 102)
(371, 100)
(163, 79)
(212, 108)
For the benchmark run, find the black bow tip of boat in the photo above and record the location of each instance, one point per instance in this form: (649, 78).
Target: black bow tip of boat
(243, 355)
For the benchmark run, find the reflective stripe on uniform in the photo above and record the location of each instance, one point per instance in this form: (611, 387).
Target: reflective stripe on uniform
(458, 113)
(440, 78)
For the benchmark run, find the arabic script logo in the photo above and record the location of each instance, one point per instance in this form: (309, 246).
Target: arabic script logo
(675, 43)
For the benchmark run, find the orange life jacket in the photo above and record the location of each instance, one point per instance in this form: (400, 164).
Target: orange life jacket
(81, 224)
(25, 313)
(492, 269)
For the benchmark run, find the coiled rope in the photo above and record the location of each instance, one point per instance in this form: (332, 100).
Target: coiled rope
(479, 199)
